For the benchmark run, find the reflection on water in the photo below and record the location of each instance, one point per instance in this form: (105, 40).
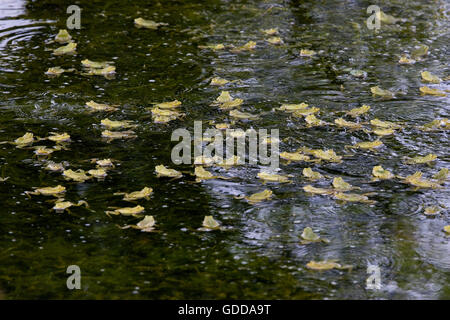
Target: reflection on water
(260, 256)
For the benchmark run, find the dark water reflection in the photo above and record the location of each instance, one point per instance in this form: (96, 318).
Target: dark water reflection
(260, 256)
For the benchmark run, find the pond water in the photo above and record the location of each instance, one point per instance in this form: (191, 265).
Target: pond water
(259, 255)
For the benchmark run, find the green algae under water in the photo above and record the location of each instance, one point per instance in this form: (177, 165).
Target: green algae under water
(260, 256)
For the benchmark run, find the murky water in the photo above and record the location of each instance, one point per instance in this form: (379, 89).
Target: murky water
(260, 256)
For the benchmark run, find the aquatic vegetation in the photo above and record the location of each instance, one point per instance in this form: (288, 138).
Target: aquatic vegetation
(127, 211)
(308, 236)
(70, 49)
(63, 36)
(307, 53)
(327, 265)
(432, 92)
(428, 77)
(162, 171)
(353, 197)
(77, 176)
(100, 107)
(216, 81)
(62, 205)
(314, 190)
(148, 24)
(340, 185)
(312, 175)
(269, 177)
(381, 174)
(356, 112)
(378, 92)
(57, 191)
(112, 124)
(145, 193)
(145, 225)
(421, 160)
